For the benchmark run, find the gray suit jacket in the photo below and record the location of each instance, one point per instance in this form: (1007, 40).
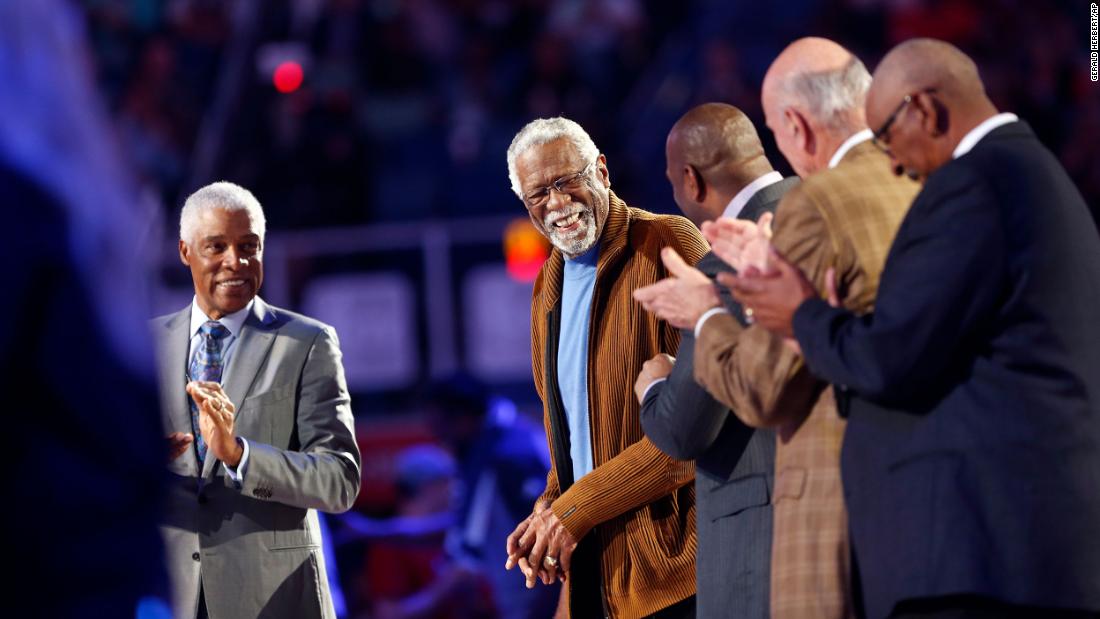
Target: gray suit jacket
(257, 549)
(734, 467)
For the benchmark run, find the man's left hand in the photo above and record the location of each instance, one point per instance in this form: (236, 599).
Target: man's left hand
(660, 366)
(216, 421)
(547, 538)
(682, 298)
(774, 297)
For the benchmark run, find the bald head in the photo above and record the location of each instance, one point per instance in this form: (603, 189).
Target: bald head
(823, 79)
(920, 64)
(713, 152)
(718, 140)
(926, 96)
(813, 96)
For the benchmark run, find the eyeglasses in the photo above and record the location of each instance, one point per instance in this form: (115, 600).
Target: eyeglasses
(541, 195)
(879, 136)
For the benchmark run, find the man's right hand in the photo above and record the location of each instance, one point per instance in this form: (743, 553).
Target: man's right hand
(178, 442)
(512, 546)
(660, 366)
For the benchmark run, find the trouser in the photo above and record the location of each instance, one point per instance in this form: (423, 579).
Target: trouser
(977, 607)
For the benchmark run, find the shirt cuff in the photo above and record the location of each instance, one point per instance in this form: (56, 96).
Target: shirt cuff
(707, 314)
(242, 466)
(650, 386)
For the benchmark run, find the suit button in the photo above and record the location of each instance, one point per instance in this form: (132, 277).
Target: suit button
(195, 556)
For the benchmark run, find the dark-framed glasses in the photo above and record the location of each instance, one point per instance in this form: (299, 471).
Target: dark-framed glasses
(880, 138)
(541, 195)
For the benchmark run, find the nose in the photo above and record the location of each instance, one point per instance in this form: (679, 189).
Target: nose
(234, 258)
(557, 199)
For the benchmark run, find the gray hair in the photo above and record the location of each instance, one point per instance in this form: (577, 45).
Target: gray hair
(831, 97)
(223, 195)
(542, 131)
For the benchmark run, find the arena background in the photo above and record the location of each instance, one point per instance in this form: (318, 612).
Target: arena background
(374, 134)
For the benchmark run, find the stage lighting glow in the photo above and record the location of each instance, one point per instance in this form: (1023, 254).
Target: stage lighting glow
(288, 77)
(525, 249)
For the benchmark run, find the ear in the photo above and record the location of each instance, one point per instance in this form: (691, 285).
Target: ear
(935, 117)
(185, 253)
(694, 186)
(801, 130)
(601, 171)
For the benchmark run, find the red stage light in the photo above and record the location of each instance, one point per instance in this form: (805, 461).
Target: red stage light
(288, 76)
(525, 249)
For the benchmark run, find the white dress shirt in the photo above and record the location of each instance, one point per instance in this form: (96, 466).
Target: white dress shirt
(856, 138)
(971, 139)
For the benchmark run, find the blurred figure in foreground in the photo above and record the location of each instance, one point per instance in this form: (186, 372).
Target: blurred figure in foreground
(87, 453)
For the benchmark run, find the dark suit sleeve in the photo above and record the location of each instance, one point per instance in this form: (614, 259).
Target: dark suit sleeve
(678, 415)
(324, 473)
(942, 281)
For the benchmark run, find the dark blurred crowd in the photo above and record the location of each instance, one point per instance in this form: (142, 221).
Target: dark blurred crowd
(407, 106)
(406, 109)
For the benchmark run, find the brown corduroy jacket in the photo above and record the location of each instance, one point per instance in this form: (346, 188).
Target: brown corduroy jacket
(846, 218)
(637, 505)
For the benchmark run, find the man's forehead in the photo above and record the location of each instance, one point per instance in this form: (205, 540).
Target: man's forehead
(544, 158)
(221, 234)
(880, 102)
(218, 222)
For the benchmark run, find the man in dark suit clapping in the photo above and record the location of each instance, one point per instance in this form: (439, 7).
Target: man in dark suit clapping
(717, 168)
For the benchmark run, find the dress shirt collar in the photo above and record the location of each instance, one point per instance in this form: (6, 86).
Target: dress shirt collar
(975, 135)
(856, 138)
(233, 321)
(737, 204)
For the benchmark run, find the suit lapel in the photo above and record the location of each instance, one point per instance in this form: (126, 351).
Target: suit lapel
(173, 341)
(249, 354)
(765, 198)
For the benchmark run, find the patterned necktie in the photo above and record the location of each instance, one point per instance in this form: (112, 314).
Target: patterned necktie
(206, 365)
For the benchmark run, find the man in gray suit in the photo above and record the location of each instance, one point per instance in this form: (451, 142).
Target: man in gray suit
(260, 428)
(717, 168)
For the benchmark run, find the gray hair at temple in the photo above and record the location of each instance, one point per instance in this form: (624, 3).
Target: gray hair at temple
(542, 131)
(223, 195)
(833, 98)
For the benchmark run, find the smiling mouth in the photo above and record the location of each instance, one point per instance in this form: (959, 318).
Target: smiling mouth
(232, 284)
(568, 223)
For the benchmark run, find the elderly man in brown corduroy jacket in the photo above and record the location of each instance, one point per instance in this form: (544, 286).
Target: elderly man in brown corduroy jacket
(617, 518)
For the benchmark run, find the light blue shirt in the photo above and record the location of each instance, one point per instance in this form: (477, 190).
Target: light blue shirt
(576, 307)
(234, 322)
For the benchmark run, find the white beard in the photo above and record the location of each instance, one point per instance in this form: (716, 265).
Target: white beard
(572, 243)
